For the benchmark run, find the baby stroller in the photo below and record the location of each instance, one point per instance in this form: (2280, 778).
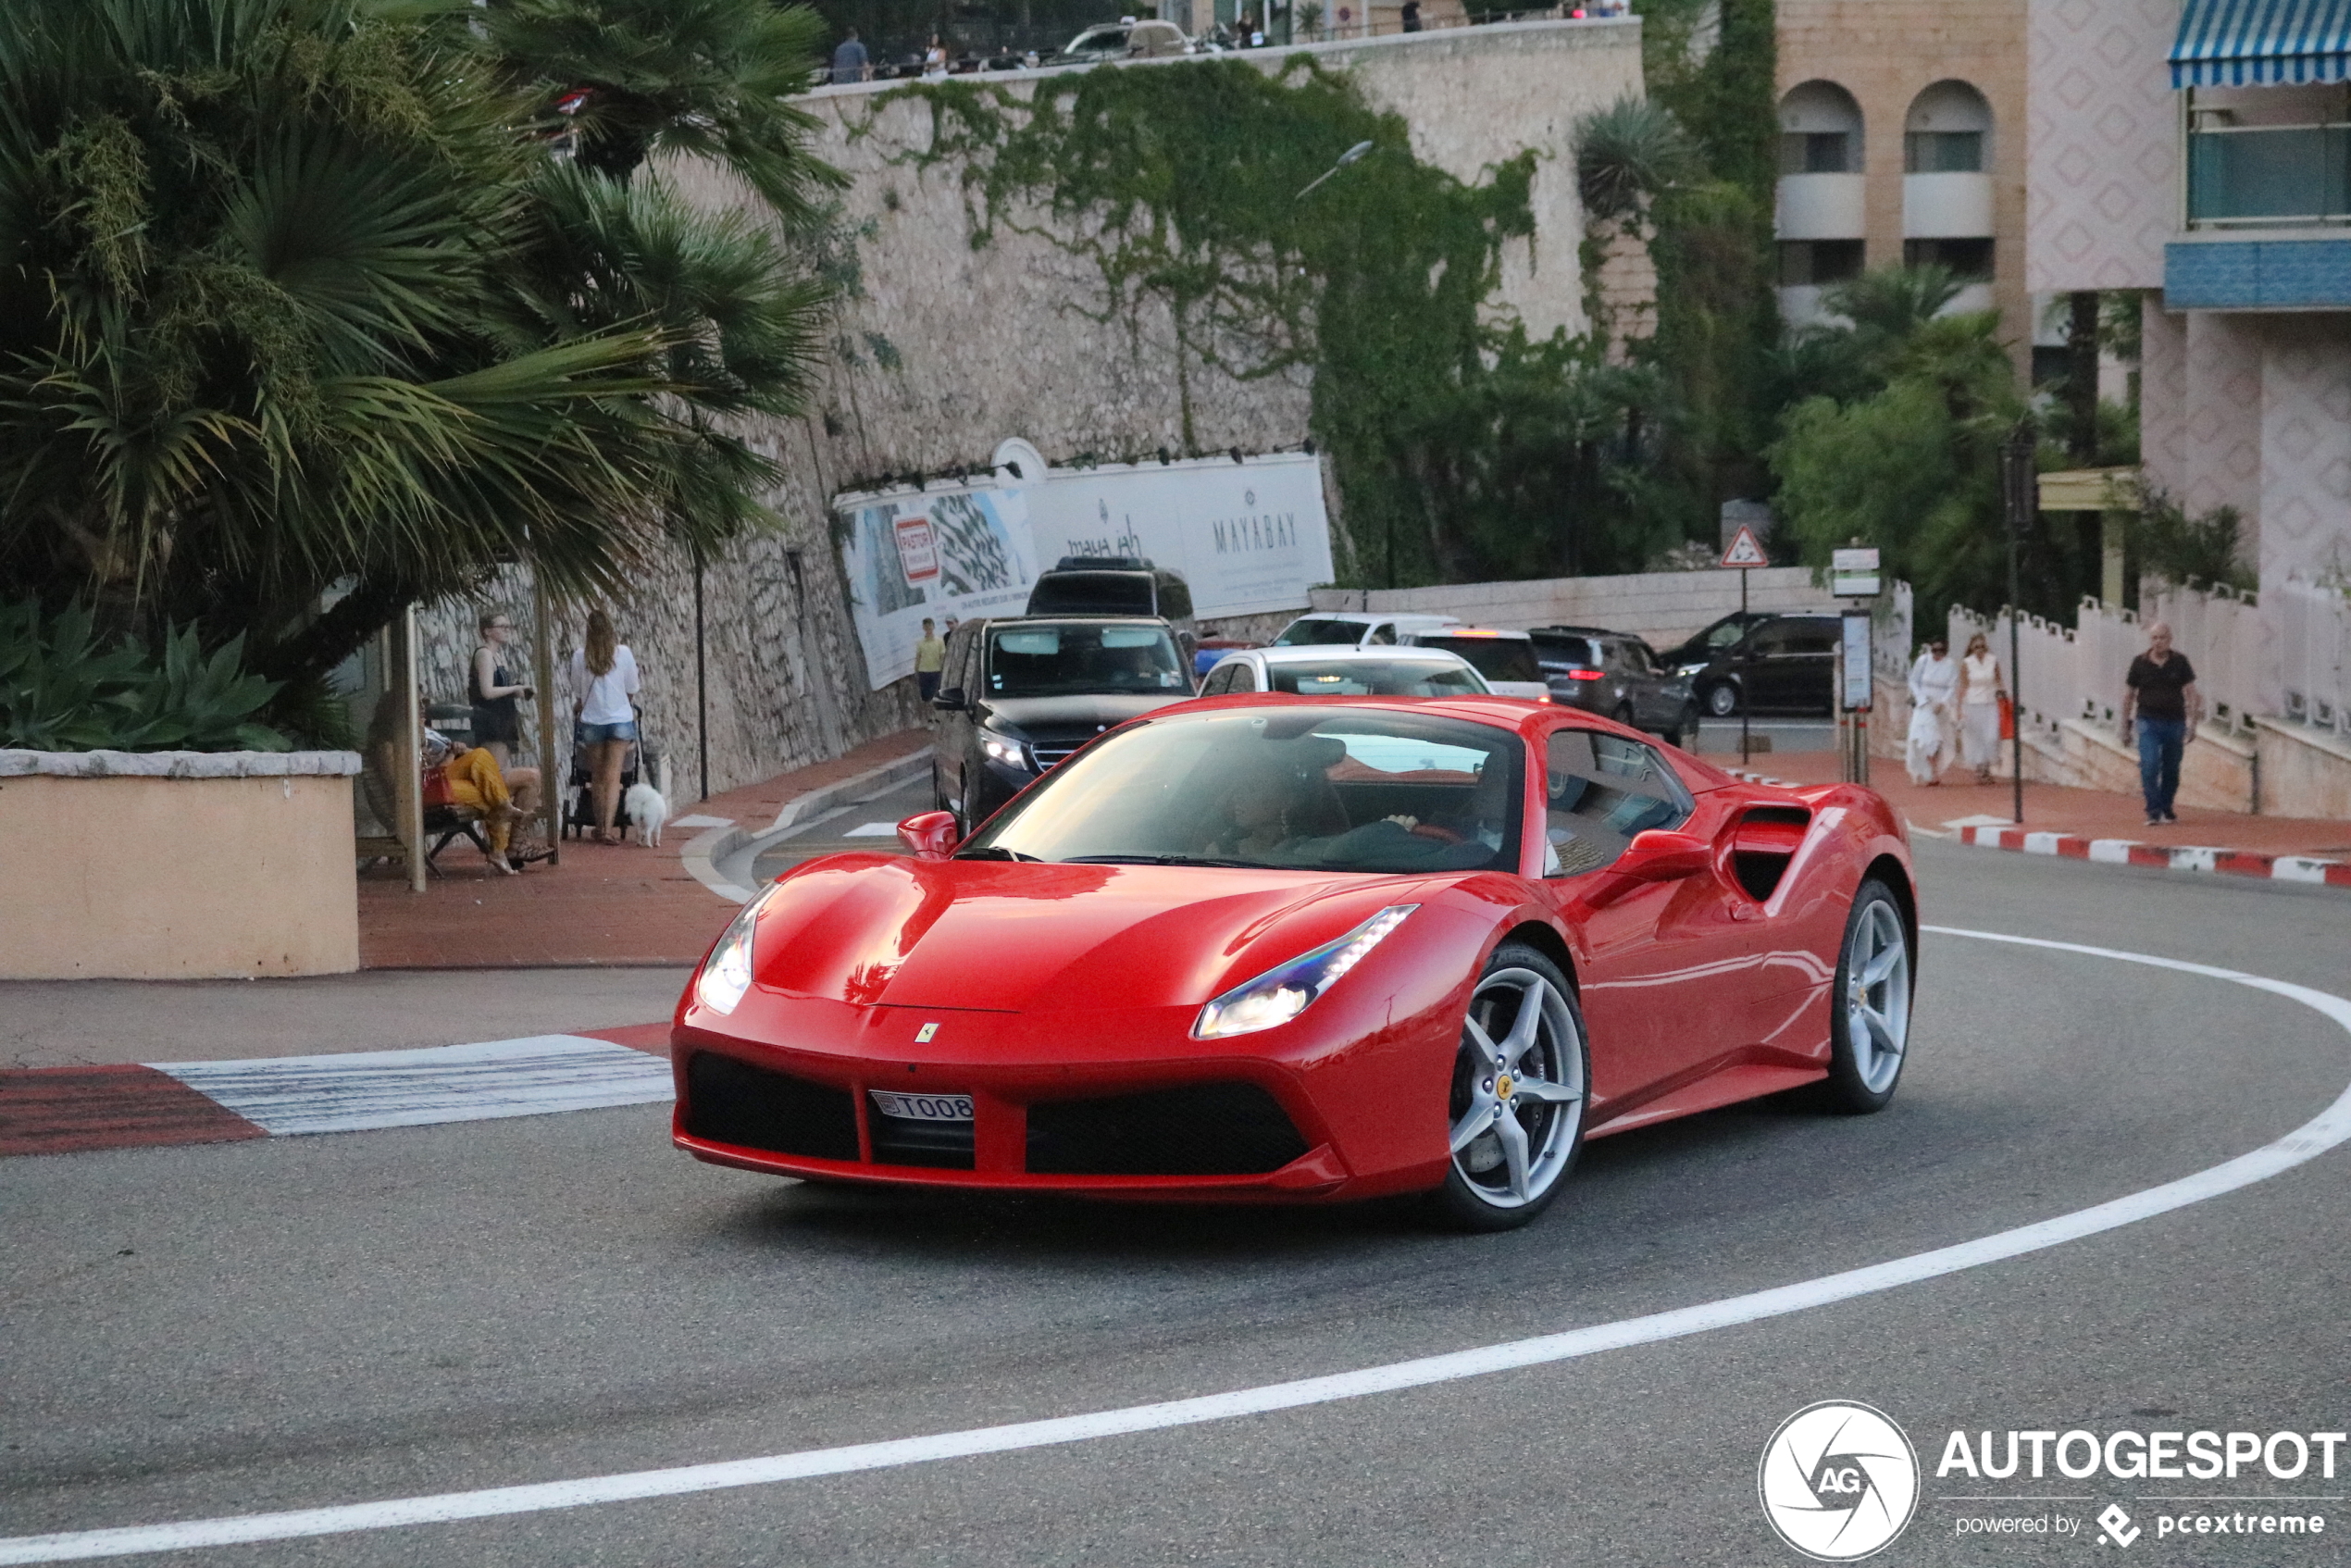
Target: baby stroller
(640, 761)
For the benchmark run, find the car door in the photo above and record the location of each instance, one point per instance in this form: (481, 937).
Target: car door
(1667, 961)
(1764, 666)
(1812, 669)
(1651, 709)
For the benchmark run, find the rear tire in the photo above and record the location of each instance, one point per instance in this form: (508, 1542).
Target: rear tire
(1515, 1104)
(1870, 1016)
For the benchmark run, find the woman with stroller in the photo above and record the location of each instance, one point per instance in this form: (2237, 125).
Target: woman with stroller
(604, 678)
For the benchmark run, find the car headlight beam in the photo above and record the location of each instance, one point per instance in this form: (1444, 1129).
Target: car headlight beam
(725, 978)
(1282, 993)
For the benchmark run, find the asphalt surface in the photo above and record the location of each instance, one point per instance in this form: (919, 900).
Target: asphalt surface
(862, 825)
(298, 1321)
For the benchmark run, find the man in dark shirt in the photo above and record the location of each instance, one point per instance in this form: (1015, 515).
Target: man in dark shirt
(849, 60)
(2161, 689)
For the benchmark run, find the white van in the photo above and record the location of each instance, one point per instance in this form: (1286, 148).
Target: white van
(1350, 628)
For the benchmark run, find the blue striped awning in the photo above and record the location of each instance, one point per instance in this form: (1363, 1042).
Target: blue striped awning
(2261, 43)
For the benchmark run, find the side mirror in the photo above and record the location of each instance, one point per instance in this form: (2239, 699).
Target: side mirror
(951, 698)
(931, 835)
(1660, 856)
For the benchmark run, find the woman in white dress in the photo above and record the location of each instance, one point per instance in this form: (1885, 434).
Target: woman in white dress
(1980, 689)
(934, 57)
(1934, 682)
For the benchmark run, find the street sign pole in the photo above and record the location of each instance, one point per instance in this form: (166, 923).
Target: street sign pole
(1745, 552)
(2019, 488)
(1747, 658)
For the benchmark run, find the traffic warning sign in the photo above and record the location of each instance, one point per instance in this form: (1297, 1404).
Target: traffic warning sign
(1745, 550)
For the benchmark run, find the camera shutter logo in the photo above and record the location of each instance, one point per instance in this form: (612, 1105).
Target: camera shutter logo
(1838, 1481)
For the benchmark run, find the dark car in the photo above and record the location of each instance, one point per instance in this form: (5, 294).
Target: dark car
(1710, 643)
(1616, 675)
(1017, 695)
(1784, 665)
(1116, 585)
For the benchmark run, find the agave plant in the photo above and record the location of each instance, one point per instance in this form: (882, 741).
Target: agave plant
(63, 689)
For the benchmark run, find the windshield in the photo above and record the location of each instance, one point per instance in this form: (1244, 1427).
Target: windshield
(1373, 678)
(1099, 38)
(1496, 658)
(1073, 660)
(1288, 788)
(1318, 634)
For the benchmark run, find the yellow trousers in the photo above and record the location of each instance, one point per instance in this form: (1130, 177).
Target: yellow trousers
(477, 784)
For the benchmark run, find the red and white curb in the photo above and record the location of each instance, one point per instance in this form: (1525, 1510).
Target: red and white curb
(2174, 857)
(69, 1109)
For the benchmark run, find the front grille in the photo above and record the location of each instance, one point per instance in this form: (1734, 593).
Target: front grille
(902, 1140)
(732, 1102)
(1048, 756)
(1200, 1130)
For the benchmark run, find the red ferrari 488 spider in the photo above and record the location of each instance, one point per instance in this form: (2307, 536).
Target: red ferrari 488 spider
(1272, 947)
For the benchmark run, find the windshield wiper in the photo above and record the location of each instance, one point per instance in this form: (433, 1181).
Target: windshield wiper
(992, 852)
(1159, 860)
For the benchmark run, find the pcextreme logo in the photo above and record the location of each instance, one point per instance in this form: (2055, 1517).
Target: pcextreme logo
(1838, 1481)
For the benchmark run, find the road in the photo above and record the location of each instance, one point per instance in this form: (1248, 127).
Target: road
(307, 1320)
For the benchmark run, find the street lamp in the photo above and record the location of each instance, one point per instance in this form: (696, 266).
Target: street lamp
(1350, 155)
(2019, 491)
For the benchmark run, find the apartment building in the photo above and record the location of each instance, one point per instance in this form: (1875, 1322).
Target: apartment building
(1902, 139)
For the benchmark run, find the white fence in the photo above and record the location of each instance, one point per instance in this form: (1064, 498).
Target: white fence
(2314, 652)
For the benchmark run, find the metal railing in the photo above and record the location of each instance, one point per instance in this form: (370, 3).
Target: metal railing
(2266, 175)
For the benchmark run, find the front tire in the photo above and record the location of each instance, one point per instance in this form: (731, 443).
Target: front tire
(1870, 1020)
(1722, 700)
(1515, 1106)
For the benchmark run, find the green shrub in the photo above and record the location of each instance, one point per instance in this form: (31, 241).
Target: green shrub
(63, 689)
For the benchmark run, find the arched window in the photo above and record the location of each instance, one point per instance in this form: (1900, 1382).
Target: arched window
(1820, 130)
(1949, 131)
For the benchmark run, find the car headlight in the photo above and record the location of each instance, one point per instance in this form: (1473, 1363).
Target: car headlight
(725, 974)
(1002, 748)
(1280, 994)
(1689, 670)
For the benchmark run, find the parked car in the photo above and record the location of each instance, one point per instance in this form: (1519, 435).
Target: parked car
(1017, 695)
(1708, 645)
(1345, 672)
(1327, 958)
(1125, 40)
(1616, 674)
(1505, 658)
(1784, 665)
(1348, 629)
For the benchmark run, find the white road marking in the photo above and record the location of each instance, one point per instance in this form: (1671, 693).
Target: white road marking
(2322, 1132)
(872, 831)
(450, 1083)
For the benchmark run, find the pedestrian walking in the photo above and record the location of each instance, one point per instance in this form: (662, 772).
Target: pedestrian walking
(495, 693)
(604, 678)
(930, 657)
(1982, 690)
(2161, 691)
(849, 59)
(1935, 679)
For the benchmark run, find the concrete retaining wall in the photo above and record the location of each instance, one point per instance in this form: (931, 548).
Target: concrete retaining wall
(1664, 607)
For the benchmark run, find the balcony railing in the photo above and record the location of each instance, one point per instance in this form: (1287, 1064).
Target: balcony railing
(2264, 176)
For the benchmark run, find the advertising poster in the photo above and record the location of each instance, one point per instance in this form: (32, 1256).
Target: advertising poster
(1246, 537)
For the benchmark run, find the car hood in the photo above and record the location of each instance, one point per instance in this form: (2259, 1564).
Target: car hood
(1092, 712)
(1007, 936)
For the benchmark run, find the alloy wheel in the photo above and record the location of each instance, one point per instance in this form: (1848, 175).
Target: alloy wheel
(1877, 995)
(1517, 1103)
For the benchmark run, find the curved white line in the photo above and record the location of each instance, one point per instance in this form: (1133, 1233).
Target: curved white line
(2322, 1133)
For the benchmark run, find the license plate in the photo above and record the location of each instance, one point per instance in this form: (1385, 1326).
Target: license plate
(924, 1107)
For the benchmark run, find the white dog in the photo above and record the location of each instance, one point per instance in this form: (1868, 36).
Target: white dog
(647, 808)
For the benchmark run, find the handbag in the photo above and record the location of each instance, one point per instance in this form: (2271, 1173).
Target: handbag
(2008, 718)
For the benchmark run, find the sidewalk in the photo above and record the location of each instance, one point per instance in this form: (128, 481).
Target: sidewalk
(2050, 808)
(602, 906)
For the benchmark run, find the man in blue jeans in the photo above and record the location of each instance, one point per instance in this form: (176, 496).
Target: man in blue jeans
(2161, 689)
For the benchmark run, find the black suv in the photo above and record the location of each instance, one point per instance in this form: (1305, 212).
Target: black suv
(1017, 695)
(1617, 676)
(1784, 665)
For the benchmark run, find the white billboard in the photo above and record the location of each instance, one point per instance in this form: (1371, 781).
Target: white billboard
(1246, 537)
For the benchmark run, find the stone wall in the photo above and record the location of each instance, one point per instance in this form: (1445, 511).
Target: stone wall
(1664, 607)
(943, 349)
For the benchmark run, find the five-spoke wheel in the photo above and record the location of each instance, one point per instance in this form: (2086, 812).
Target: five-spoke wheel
(1871, 1030)
(1516, 1109)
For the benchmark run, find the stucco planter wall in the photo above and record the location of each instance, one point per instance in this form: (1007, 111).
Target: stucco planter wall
(176, 866)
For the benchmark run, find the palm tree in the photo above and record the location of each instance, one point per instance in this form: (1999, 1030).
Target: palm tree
(290, 294)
